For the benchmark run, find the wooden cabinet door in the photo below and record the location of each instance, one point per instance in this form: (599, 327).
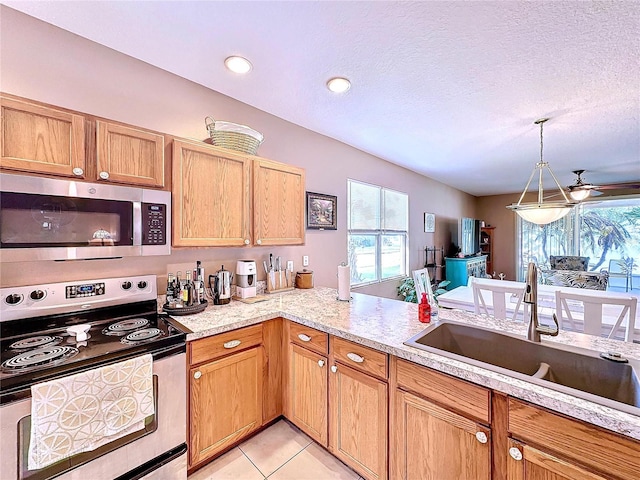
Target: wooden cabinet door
(211, 196)
(39, 139)
(358, 421)
(307, 403)
(432, 443)
(527, 463)
(129, 155)
(225, 402)
(278, 200)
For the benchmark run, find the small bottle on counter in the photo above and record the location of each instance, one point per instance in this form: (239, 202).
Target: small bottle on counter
(424, 309)
(170, 289)
(187, 291)
(200, 277)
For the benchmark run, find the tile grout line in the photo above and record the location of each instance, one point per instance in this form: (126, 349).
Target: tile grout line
(250, 461)
(288, 461)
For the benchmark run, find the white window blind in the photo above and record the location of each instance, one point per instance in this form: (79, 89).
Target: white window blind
(378, 232)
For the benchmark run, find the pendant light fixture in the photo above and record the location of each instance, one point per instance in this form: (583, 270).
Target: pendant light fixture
(541, 212)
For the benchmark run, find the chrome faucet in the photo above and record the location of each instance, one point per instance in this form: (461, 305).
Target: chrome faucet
(531, 297)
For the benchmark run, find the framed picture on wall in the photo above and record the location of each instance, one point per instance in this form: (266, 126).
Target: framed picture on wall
(321, 211)
(429, 222)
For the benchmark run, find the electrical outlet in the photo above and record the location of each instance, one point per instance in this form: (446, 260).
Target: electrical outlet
(290, 265)
(305, 260)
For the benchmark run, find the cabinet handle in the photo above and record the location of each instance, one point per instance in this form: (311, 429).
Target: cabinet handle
(104, 175)
(78, 171)
(321, 363)
(515, 453)
(354, 357)
(304, 338)
(197, 374)
(232, 344)
(481, 437)
(259, 242)
(246, 241)
(334, 368)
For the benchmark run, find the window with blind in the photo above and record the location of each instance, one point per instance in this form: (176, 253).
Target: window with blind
(378, 224)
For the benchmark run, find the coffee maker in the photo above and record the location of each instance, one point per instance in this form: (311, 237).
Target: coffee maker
(220, 284)
(246, 279)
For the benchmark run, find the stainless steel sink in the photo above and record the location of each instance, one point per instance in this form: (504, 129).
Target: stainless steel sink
(583, 374)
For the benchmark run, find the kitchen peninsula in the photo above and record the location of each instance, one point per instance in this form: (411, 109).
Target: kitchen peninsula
(491, 406)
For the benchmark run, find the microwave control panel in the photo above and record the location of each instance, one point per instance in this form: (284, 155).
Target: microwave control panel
(154, 224)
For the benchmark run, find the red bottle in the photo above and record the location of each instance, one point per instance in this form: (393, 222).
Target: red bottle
(424, 309)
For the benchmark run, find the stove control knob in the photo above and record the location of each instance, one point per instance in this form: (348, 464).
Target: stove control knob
(36, 295)
(126, 285)
(142, 285)
(13, 299)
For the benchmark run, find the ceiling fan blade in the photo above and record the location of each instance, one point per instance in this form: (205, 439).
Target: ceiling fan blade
(619, 186)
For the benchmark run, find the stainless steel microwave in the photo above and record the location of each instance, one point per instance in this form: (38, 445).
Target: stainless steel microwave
(49, 219)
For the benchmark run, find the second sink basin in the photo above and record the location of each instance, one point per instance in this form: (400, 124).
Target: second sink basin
(584, 375)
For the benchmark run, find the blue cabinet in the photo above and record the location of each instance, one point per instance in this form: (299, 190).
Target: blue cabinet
(460, 269)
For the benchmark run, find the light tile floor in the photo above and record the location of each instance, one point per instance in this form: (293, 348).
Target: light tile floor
(281, 452)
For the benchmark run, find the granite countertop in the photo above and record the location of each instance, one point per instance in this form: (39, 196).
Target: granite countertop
(384, 325)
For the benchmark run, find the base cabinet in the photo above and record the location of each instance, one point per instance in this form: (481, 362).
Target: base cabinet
(307, 406)
(226, 402)
(432, 443)
(528, 463)
(358, 421)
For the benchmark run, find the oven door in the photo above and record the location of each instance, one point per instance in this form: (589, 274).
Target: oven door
(160, 446)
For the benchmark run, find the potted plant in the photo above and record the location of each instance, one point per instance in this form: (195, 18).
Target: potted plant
(407, 290)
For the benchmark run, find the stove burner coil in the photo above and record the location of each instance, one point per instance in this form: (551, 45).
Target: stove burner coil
(142, 335)
(34, 359)
(125, 326)
(36, 342)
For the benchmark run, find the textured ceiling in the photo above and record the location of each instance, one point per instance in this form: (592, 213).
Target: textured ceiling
(447, 89)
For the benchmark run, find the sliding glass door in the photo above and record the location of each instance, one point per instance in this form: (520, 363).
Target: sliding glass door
(606, 231)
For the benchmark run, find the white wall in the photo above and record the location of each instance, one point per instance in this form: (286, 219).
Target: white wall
(44, 63)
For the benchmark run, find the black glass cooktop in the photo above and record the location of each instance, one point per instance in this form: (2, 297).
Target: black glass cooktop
(39, 349)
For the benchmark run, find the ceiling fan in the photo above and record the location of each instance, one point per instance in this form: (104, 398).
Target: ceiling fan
(581, 190)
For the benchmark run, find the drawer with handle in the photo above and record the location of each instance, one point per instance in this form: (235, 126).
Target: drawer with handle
(360, 357)
(308, 337)
(217, 346)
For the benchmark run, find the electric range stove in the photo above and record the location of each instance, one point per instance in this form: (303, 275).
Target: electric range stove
(121, 314)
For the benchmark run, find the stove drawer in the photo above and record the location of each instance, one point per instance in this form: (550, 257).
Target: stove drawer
(217, 346)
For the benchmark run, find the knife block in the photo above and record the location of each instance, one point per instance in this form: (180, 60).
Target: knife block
(277, 283)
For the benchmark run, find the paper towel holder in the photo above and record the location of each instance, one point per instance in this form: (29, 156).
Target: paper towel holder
(343, 264)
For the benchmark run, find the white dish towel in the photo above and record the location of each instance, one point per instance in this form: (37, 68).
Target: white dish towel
(81, 412)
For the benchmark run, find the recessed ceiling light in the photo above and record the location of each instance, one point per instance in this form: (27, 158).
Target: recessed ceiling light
(238, 64)
(339, 84)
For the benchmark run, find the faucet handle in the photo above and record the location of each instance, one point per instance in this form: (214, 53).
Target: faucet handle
(552, 332)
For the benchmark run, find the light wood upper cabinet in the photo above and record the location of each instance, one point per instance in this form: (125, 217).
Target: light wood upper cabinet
(225, 402)
(129, 155)
(358, 421)
(432, 443)
(211, 196)
(40, 139)
(307, 392)
(279, 203)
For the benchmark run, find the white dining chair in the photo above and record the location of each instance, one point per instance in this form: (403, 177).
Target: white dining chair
(498, 294)
(592, 305)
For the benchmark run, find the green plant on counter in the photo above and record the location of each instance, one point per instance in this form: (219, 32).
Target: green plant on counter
(407, 290)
